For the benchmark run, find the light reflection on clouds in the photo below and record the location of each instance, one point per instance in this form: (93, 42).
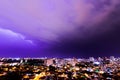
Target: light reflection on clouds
(11, 36)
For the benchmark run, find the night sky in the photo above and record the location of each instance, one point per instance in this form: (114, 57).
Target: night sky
(59, 28)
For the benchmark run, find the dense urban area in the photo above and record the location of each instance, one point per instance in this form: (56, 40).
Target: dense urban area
(60, 68)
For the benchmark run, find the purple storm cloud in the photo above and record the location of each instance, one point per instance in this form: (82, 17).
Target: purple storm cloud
(9, 37)
(51, 26)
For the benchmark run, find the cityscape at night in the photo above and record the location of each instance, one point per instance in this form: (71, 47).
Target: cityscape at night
(60, 68)
(59, 40)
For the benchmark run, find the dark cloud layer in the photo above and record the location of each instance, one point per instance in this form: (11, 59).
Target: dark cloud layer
(61, 28)
(106, 43)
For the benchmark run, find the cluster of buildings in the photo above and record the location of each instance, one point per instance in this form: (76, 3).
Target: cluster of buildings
(60, 68)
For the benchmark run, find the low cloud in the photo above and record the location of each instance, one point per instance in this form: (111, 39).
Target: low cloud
(9, 37)
(51, 20)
